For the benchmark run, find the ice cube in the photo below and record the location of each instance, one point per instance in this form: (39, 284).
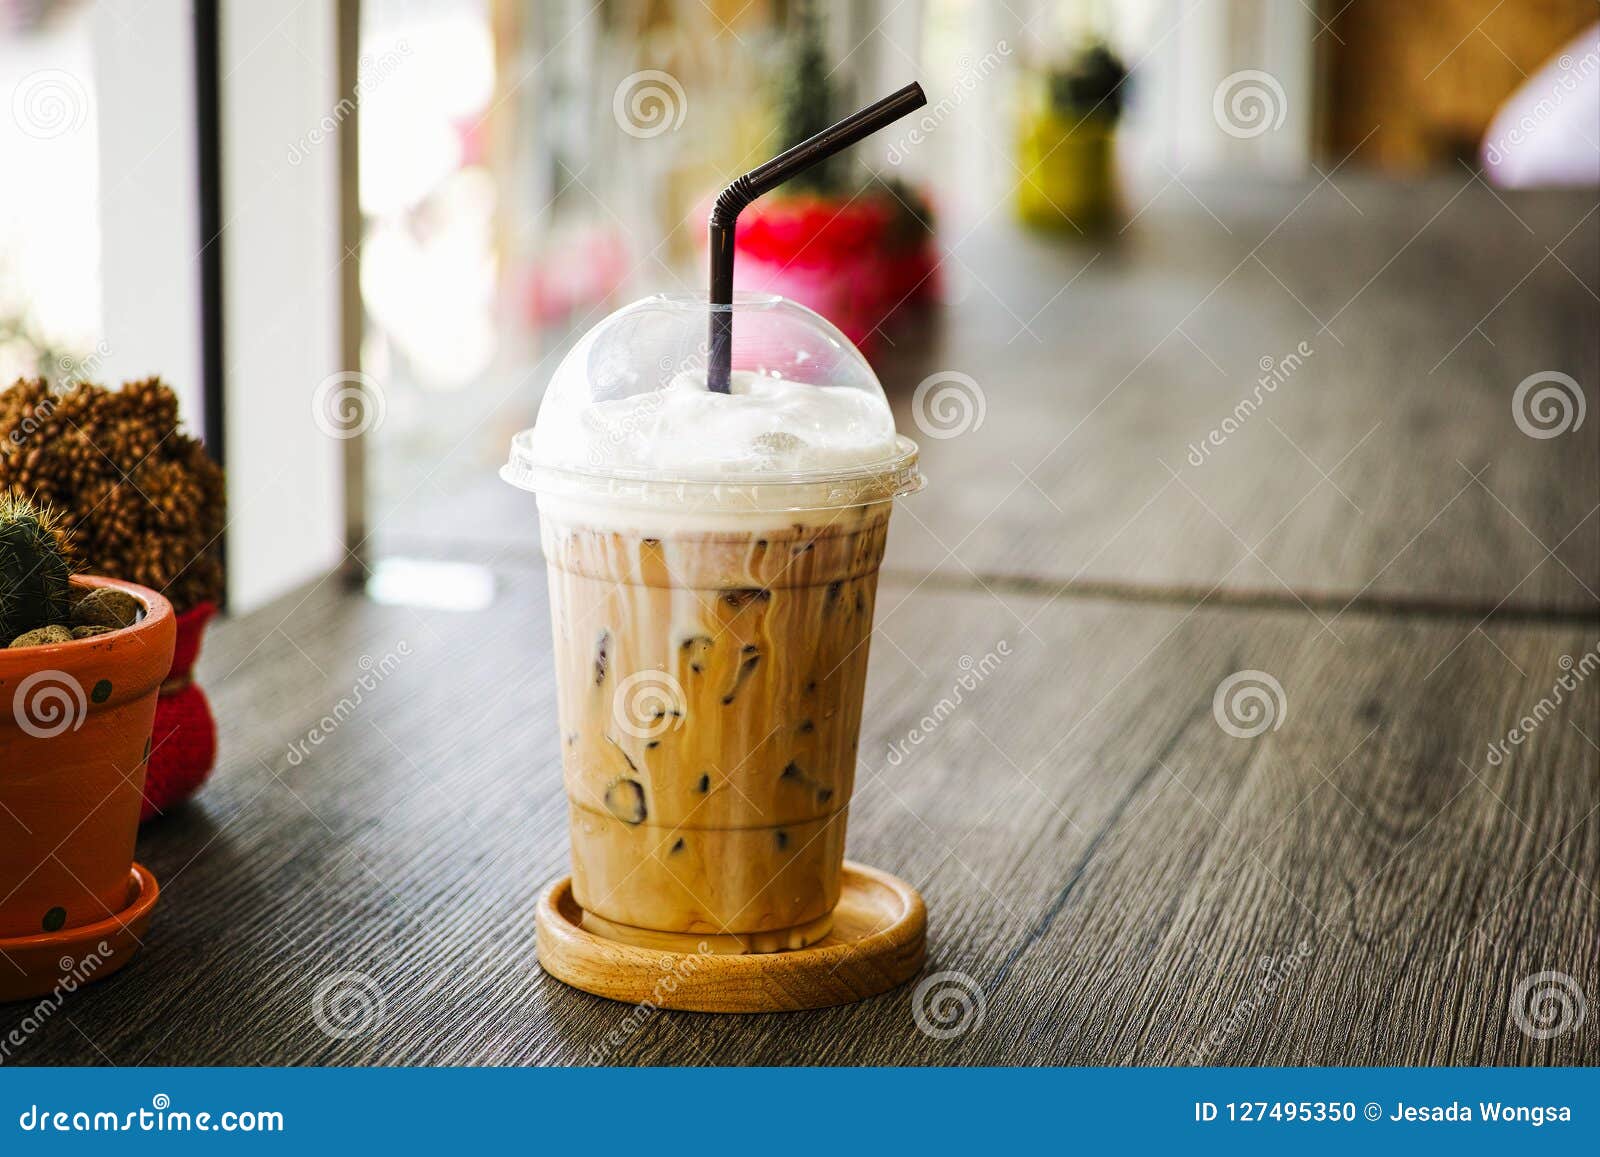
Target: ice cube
(776, 442)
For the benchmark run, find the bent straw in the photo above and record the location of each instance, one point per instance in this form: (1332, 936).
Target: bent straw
(764, 178)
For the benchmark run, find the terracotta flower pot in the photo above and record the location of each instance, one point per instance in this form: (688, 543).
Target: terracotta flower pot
(184, 741)
(74, 739)
(852, 259)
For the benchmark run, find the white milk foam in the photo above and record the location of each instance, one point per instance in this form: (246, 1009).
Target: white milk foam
(766, 425)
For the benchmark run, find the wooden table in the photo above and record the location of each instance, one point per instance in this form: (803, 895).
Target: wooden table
(1116, 875)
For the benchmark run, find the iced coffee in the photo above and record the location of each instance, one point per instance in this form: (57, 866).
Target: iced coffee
(712, 563)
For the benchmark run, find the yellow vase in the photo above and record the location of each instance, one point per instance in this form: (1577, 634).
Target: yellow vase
(1066, 161)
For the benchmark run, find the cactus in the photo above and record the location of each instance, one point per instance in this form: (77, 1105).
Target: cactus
(34, 569)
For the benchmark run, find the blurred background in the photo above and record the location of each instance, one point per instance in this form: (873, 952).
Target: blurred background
(524, 168)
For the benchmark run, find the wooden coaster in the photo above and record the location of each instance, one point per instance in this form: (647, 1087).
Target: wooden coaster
(878, 941)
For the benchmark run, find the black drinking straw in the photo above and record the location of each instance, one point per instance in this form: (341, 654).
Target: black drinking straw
(763, 179)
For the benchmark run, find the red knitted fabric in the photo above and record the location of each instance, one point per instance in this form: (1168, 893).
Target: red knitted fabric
(854, 261)
(183, 742)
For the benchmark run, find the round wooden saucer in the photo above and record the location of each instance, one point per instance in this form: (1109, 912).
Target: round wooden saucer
(878, 940)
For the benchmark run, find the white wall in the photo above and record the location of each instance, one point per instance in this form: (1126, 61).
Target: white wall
(1182, 52)
(49, 223)
(1260, 51)
(148, 205)
(281, 296)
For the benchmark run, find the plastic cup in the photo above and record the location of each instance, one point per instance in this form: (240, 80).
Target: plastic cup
(711, 601)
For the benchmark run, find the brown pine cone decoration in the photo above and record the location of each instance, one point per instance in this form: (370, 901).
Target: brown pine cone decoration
(141, 500)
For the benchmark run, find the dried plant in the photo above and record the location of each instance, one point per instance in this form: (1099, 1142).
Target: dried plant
(141, 500)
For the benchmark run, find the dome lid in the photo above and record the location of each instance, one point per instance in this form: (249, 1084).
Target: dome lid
(628, 415)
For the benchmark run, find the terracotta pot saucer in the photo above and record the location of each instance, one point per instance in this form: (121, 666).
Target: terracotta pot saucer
(877, 942)
(40, 964)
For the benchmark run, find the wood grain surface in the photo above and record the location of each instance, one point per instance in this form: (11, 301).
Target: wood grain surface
(1400, 867)
(1107, 865)
(1387, 465)
(1387, 468)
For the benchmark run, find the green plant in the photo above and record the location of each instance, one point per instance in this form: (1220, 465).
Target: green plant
(35, 568)
(806, 102)
(1092, 81)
